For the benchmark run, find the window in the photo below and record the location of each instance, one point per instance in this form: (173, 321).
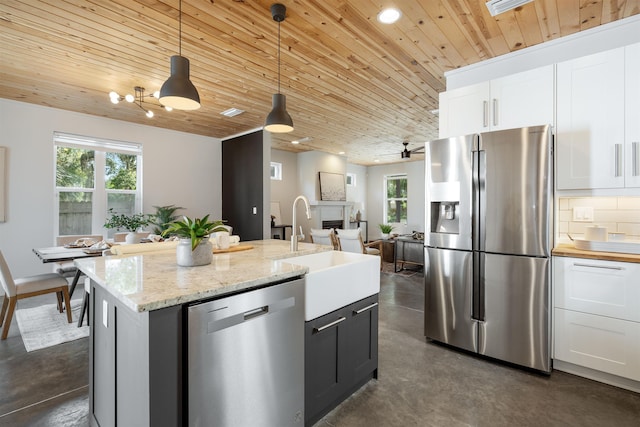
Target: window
(93, 176)
(395, 201)
(351, 179)
(276, 171)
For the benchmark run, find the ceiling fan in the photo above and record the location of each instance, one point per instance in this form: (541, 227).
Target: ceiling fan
(406, 154)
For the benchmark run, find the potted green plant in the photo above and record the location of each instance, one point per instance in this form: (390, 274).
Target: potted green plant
(385, 229)
(163, 216)
(194, 247)
(132, 223)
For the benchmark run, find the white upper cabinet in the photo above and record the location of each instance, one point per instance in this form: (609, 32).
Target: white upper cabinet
(632, 116)
(518, 100)
(597, 124)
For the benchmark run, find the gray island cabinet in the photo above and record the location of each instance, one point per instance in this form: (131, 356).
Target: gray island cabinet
(141, 341)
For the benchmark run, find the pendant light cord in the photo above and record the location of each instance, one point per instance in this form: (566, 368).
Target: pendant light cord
(180, 29)
(278, 56)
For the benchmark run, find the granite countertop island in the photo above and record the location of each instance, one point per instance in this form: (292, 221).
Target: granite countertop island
(153, 281)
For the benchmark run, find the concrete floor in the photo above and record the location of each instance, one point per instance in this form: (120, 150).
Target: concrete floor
(420, 383)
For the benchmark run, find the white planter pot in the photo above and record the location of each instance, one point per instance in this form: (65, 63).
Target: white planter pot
(133, 237)
(202, 255)
(385, 236)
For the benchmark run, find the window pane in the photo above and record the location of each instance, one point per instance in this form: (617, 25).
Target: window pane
(74, 167)
(74, 213)
(121, 203)
(396, 211)
(121, 171)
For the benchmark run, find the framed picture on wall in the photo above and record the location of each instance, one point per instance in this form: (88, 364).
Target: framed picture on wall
(332, 187)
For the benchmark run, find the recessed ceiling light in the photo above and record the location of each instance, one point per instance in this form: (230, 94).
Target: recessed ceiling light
(295, 142)
(377, 160)
(389, 15)
(232, 112)
(341, 152)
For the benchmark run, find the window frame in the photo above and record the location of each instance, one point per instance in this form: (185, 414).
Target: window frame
(386, 200)
(351, 179)
(99, 191)
(277, 167)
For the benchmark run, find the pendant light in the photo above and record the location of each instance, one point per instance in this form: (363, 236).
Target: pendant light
(278, 120)
(178, 92)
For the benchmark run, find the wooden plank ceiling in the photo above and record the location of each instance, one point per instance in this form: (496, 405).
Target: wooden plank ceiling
(353, 85)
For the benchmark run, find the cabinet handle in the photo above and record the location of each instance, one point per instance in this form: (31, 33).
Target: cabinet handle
(618, 160)
(577, 264)
(495, 111)
(369, 307)
(328, 325)
(485, 114)
(635, 158)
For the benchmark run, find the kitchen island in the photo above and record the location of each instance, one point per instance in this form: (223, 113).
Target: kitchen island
(141, 344)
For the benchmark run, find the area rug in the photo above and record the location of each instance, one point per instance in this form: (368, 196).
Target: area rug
(44, 326)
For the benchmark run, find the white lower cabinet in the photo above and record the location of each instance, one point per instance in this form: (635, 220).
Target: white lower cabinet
(598, 342)
(597, 315)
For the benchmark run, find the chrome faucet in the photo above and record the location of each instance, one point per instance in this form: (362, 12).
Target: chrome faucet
(294, 236)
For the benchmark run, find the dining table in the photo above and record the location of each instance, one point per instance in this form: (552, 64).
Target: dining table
(66, 254)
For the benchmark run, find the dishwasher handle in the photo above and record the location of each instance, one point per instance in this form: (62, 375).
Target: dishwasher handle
(256, 312)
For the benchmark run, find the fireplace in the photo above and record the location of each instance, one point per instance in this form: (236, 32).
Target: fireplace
(333, 223)
(326, 214)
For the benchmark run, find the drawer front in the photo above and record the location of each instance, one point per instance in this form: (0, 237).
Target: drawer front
(597, 342)
(598, 287)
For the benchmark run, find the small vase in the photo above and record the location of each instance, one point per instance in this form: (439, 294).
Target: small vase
(201, 255)
(133, 237)
(385, 236)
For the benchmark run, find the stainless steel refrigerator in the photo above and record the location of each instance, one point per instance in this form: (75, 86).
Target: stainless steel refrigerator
(488, 240)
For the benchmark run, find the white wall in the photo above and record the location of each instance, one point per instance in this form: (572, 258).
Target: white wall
(178, 168)
(312, 162)
(358, 193)
(609, 36)
(415, 196)
(286, 190)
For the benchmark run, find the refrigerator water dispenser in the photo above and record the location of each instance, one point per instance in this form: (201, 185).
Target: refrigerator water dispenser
(445, 217)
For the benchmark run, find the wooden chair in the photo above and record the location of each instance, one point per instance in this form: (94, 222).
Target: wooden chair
(26, 287)
(324, 237)
(351, 241)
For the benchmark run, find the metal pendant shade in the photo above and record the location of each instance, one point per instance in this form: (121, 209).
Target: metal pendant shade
(278, 120)
(178, 92)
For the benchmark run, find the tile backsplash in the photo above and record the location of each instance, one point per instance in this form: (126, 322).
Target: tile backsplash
(618, 214)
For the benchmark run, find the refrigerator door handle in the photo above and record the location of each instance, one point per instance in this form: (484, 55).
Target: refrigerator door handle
(475, 290)
(480, 202)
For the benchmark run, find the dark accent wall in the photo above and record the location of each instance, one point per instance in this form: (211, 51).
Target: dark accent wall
(242, 185)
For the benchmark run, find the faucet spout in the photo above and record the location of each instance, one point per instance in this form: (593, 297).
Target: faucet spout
(294, 236)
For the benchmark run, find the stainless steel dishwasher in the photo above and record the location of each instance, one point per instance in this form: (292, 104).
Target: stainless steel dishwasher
(246, 358)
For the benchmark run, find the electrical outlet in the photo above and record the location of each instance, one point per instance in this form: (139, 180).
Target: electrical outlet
(583, 214)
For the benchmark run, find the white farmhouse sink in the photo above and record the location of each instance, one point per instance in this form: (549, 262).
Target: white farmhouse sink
(336, 279)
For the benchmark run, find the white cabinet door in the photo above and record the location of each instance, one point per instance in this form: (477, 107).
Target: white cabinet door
(598, 342)
(632, 115)
(518, 100)
(464, 111)
(597, 287)
(590, 121)
(522, 99)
